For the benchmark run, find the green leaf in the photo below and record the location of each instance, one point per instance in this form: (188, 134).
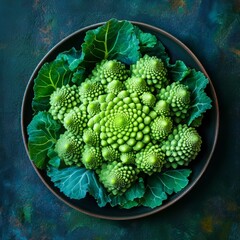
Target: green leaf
(149, 44)
(76, 182)
(51, 76)
(72, 57)
(154, 195)
(177, 71)
(158, 50)
(55, 162)
(175, 180)
(146, 40)
(161, 184)
(79, 76)
(126, 200)
(200, 102)
(43, 132)
(130, 204)
(114, 40)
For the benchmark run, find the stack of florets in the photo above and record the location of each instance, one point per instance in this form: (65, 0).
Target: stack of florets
(124, 122)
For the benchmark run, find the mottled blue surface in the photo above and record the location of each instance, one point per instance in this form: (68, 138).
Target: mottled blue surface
(211, 29)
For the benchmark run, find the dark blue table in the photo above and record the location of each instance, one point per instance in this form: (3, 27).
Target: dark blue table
(211, 29)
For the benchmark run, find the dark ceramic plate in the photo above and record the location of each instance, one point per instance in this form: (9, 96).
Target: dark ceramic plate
(208, 130)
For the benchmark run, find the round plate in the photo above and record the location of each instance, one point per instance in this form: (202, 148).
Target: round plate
(208, 130)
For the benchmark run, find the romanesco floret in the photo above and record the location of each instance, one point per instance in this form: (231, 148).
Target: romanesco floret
(136, 85)
(90, 90)
(161, 127)
(128, 158)
(91, 138)
(115, 87)
(151, 69)
(124, 124)
(182, 146)
(162, 108)
(92, 157)
(110, 154)
(117, 177)
(69, 148)
(151, 159)
(177, 96)
(62, 100)
(108, 70)
(75, 121)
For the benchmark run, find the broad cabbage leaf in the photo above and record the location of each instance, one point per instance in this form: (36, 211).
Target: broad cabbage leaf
(51, 76)
(43, 133)
(200, 102)
(76, 182)
(159, 185)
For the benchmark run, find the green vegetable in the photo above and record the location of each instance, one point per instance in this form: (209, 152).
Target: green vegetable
(131, 197)
(110, 154)
(109, 70)
(91, 138)
(161, 127)
(43, 133)
(181, 146)
(116, 177)
(76, 182)
(123, 123)
(51, 76)
(115, 117)
(62, 100)
(128, 158)
(75, 121)
(162, 108)
(115, 87)
(152, 70)
(69, 148)
(90, 90)
(92, 157)
(177, 96)
(148, 99)
(136, 85)
(159, 185)
(200, 102)
(151, 159)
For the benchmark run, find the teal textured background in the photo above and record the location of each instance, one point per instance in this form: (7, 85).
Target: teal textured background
(211, 29)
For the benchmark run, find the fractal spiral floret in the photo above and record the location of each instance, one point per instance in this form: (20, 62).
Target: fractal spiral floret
(63, 100)
(152, 70)
(107, 71)
(181, 146)
(69, 147)
(124, 124)
(117, 177)
(75, 121)
(177, 96)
